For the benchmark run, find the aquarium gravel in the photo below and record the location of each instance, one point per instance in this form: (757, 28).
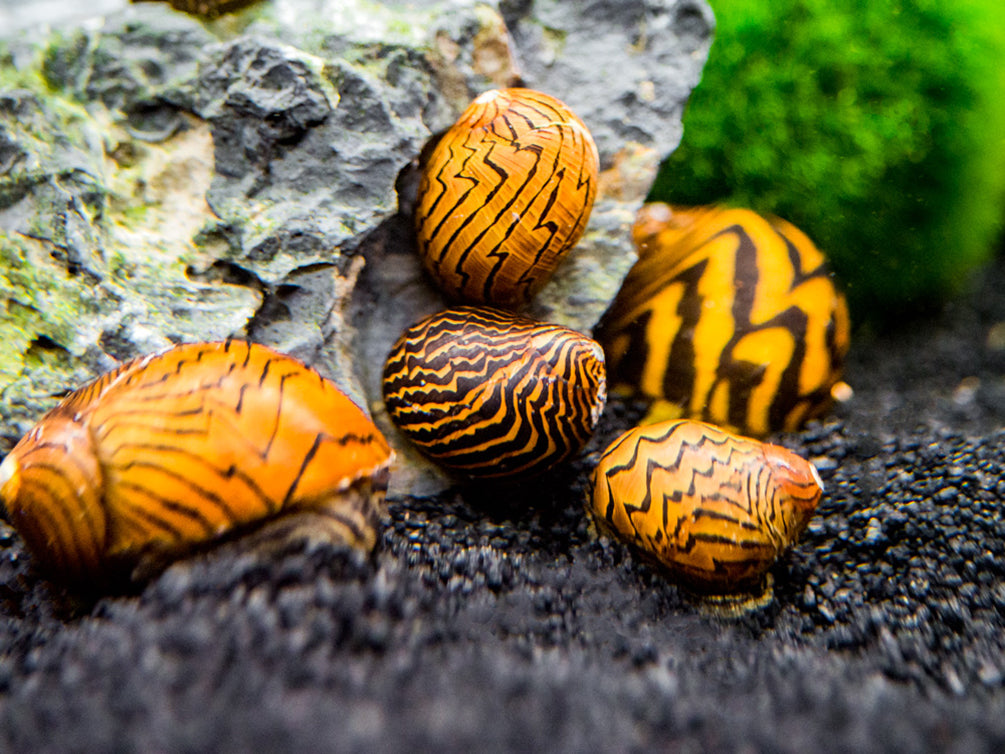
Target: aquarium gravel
(493, 621)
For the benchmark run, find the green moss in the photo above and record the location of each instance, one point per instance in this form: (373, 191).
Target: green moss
(14, 76)
(401, 28)
(40, 301)
(877, 127)
(65, 60)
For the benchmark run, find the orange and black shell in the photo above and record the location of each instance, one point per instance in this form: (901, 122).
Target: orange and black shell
(181, 448)
(714, 509)
(731, 317)
(504, 195)
(486, 393)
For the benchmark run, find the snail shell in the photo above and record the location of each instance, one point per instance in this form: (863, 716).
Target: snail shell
(731, 317)
(714, 509)
(504, 195)
(486, 393)
(177, 449)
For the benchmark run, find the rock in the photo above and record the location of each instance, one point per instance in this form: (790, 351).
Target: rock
(165, 179)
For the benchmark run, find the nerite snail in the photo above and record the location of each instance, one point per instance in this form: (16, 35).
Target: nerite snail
(181, 448)
(713, 509)
(486, 393)
(728, 317)
(504, 195)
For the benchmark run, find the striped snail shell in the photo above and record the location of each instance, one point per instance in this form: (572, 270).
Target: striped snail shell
(174, 450)
(486, 393)
(730, 317)
(504, 195)
(712, 508)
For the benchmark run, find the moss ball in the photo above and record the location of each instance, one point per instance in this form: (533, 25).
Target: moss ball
(876, 127)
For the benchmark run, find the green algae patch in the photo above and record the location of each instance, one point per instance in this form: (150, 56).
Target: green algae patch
(40, 300)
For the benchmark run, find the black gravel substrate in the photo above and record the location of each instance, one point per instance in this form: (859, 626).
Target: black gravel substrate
(494, 622)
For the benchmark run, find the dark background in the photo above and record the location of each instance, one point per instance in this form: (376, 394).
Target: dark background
(491, 620)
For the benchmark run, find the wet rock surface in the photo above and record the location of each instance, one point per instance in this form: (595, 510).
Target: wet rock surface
(491, 620)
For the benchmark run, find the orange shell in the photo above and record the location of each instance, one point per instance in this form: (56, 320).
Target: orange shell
(713, 508)
(504, 195)
(731, 317)
(486, 393)
(182, 447)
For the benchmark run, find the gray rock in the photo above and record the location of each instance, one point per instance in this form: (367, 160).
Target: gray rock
(165, 179)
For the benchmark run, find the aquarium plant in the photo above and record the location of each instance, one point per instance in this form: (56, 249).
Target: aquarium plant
(876, 126)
